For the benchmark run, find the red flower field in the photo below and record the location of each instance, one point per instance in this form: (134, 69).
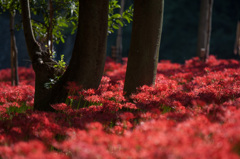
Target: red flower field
(192, 112)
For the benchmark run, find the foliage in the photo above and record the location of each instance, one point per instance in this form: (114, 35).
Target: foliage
(65, 13)
(14, 110)
(65, 18)
(61, 66)
(116, 20)
(9, 5)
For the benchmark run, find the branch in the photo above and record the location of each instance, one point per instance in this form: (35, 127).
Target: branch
(31, 42)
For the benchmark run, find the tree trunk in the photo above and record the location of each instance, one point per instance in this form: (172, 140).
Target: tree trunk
(50, 27)
(14, 52)
(145, 44)
(119, 37)
(204, 29)
(237, 42)
(88, 58)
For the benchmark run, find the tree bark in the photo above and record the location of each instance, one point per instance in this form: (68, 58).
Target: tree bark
(237, 42)
(145, 44)
(88, 58)
(50, 27)
(14, 52)
(89, 52)
(204, 29)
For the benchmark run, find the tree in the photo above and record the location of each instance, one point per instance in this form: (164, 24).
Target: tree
(204, 29)
(53, 25)
(237, 42)
(12, 6)
(88, 57)
(145, 43)
(14, 52)
(87, 62)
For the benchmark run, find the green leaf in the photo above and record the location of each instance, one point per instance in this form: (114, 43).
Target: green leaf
(116, 16)
(62, 39)
(119, 22)
(115, 26)
(126, 18)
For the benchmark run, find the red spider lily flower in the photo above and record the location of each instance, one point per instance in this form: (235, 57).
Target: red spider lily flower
(126, 116)
(129, 105)
(94, 126)
(60, 106)
(73, 87)
(87, 92)
(94, 99)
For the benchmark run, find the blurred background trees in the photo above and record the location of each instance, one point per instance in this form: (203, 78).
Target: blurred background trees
(179, 37)
(237, 42)
(12, 7)
(204, 29)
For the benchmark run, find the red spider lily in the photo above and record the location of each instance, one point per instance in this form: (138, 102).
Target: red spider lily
(191, 112)
(73, 87)
(127, 116)
(60, 106)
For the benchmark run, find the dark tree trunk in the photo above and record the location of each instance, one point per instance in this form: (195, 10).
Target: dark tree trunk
(204, 29)
(89, 53)
(237, 42)
(88, 58)
(14, 52)
(145, 43)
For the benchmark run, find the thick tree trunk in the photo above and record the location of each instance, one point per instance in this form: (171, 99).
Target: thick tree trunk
(119, 37)
(89, 53)
(145, 43)
(14, 52)
(87, 63)
(204, 29)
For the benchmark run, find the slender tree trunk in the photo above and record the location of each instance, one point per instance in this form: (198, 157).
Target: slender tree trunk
(237, 43)
(204, 29)
(119, 37)
(145, 44)
(50, 28)
(14, 52)
(88, 58)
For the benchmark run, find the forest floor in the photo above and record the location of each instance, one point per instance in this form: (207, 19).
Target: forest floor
(192, 112)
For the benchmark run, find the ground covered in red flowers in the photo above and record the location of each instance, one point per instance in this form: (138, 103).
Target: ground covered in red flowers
(191, 112)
